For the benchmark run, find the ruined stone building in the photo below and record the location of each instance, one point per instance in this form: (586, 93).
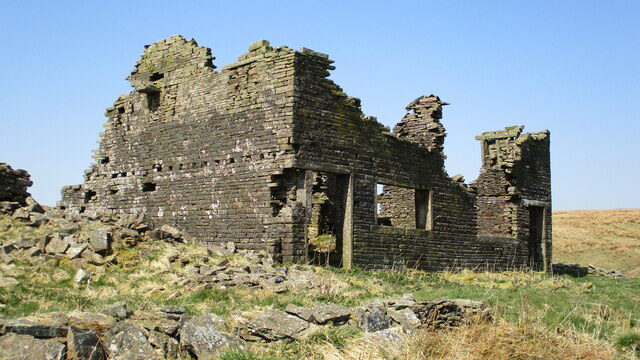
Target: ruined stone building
(269, 153)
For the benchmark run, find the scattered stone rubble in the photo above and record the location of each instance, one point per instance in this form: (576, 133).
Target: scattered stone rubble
(117, 333)
(169, 333)
(576, 270)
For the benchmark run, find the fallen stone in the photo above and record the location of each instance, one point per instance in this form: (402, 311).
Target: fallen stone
(158, 322)
(25, 347)
(100, 240)
(8, 207)
(166, 346)
(169, 232)
(84, 345)
(405, 318)
(24, 243)
(330, 313)
(177, 310)
(21, 214)
(91, 321)
(69, 228)
(79, 263)
(273, 325)
(201, 336)
(117, 310)
(57, 245)
(75, 250)
(32, 328)
(33, 205)
(406, 301)
(43, 242)
(8, 248)
(125, 232)
(389, 340)
(34, 251)
(129, 343)
(299, 311)
(372, 318)
(36, 219)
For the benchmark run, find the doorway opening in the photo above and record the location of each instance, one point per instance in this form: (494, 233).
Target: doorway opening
(329, 223)
(536, 238)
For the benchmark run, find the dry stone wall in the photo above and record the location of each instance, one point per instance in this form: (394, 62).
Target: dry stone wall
(14, 184)
(268, 153)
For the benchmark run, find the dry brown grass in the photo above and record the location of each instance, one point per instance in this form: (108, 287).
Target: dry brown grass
(502, 340)
(609, 239)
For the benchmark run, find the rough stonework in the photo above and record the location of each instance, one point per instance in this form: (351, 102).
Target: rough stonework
(268, 153)
(14, 184)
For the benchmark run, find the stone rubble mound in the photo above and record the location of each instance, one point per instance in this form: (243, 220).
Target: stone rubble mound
(168, 332)
(577, 270)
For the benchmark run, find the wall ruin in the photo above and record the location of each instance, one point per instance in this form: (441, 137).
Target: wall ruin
(269, 153)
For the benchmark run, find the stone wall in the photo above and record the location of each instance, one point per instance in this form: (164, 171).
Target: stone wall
(269, 153)
(197, 148)
(14, 184)
(514, 192)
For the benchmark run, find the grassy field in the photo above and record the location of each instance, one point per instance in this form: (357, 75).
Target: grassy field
(535, 316)
(608, 239)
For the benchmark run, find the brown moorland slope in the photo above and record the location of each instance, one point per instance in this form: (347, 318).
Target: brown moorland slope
(608, 239)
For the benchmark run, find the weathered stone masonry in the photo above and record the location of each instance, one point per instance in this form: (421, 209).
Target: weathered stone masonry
(269, 153)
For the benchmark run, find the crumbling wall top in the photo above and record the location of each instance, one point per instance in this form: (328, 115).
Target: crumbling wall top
(14, 184)
(508, 132)
(164, 58)
(422, 123)
(503, 149)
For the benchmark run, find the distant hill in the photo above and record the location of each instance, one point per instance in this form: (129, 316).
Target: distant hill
(608, 239)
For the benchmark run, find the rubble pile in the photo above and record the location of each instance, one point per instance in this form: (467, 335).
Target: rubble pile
(168, 332)
(91, 243)
(577, 270)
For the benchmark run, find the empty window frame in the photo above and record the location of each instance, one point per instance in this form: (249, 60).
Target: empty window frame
(404, 207)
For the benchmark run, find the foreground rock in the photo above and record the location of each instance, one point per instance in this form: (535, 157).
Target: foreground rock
(26, 347)
(273, 325)
(201, 337)
(84, 344)
(129, 342)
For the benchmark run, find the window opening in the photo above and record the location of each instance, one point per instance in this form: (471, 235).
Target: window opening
(153, 101)
(403, 207)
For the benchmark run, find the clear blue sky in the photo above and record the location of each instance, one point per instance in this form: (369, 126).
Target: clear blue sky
(572, 67)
